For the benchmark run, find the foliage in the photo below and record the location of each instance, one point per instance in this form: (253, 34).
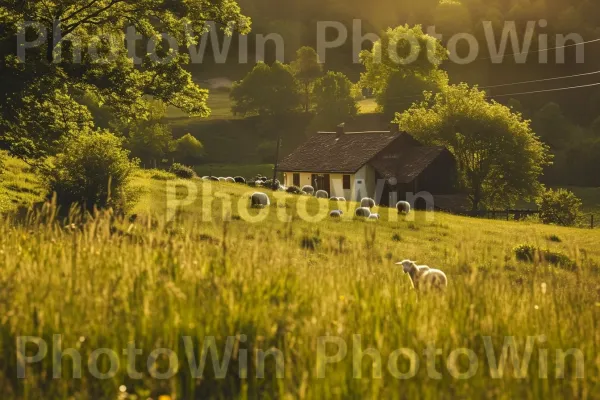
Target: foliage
(530, 253)
(34, 94)
(149, 140)
(559, 207)
(92, 170)
(307, 70)
(266, 91)
(188, 150)
(403, 63)
(499, 157)
(182, 171)
(334, 99)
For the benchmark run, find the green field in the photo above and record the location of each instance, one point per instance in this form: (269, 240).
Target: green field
(210, 272)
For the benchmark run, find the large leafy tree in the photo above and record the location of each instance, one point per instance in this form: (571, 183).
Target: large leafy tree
(500, 159)
(266, 91)
(53, 71)
(307, 69)
(333, 99)
(403, 64)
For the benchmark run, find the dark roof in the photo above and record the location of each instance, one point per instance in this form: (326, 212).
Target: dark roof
(408, 164)
(333, 153)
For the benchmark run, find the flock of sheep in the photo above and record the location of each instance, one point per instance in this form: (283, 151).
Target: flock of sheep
(422, 277)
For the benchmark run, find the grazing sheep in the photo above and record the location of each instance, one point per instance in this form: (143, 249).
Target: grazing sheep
(260, 200)
(214, 179)
(321, 194)
(221, 179)
(374, 216)
(294, 190)
(336, 214)
(363, 212)
(333, 199)
(403, 207)
(341, 199)
(308, 189)
(230, 180)
(205, 178)
(423, 277)
(239, 179)
(367, 202)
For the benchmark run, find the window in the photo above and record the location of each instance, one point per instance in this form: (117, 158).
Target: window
(296, 179)
(346, 183)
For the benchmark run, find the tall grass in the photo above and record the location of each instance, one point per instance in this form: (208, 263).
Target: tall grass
(102, 283)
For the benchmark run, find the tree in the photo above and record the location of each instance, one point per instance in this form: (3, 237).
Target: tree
(401, 65)
(189, 150)
(150, 139)
(307, 69)
(559, 207)
(51, 71)
(499, 157)
(266, 91)
(552, 126)
(334, 99)
(92, 170)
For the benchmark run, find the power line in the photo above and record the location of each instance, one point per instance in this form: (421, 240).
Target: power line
(546, 90)
(540, 80)
(538, 51)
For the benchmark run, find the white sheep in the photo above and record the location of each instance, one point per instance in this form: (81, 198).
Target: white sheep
(260, 200)
(336, 214)
(403, 207)
(230, 180)
(341, 199)
(321, 194)
(363, 212)
(221, 179)
(367, 202)
(423, 277)
(374, 216)
(308, 189)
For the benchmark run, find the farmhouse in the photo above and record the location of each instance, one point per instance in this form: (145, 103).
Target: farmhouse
(385, 165)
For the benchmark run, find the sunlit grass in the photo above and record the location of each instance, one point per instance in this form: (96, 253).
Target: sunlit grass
(157, 281)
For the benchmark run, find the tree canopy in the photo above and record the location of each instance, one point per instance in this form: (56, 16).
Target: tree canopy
(500, 159)
(54, 70)
(334, 102)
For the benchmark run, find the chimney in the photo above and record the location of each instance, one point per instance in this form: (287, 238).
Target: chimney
(340, 130)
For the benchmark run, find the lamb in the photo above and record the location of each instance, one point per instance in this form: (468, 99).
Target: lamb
(260, 200)
(363, 212)
(321, 194)
(308, 189)
(367, 202)
(403, 207)
(423, 277)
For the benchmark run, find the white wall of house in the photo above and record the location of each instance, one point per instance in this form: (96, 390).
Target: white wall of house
(362, 184)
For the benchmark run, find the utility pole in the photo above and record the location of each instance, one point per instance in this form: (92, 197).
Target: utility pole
(276, 187)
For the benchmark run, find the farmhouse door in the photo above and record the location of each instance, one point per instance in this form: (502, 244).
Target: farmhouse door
(321, 182)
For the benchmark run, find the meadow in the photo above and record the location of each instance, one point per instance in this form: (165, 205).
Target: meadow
(104, 282)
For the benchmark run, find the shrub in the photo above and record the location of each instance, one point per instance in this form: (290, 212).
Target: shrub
(528, 253)
(559, 207)
(554, 238)
(181, 171)
(189, 150)
(92, 170)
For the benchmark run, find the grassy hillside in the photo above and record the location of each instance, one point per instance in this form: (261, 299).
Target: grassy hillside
(284, 285)
(18, 184)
